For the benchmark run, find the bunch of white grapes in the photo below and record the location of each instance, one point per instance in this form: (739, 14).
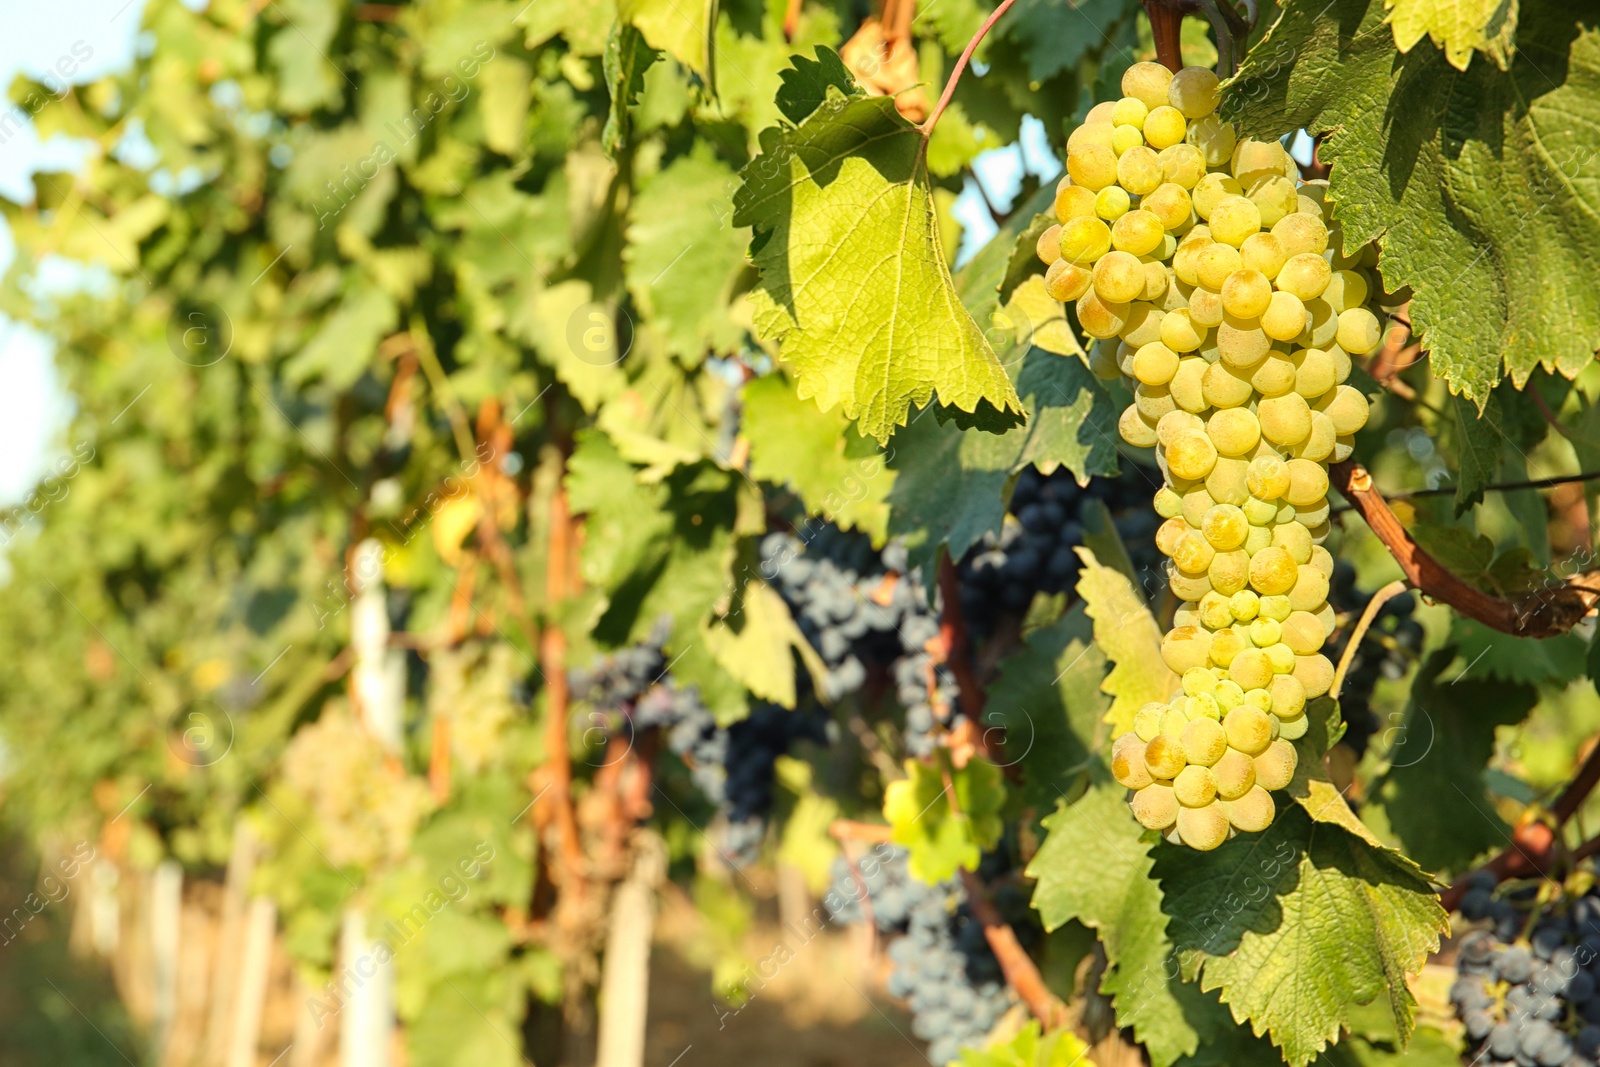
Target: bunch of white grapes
(1213, 280)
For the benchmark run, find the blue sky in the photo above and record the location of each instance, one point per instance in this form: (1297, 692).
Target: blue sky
(34, 411)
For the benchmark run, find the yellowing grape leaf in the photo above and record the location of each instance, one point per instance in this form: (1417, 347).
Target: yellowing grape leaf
(854, 285)
(941, 841)
(680, 28)
(1457, 26)
(1127, 634)
(758, 652)
(1483, 184)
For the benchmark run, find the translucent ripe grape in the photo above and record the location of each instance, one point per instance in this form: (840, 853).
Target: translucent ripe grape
(1288, 695)
(1275, 765)
(1186, 388)
(1084, 239)
(1100, 133)
(1154, 363)
(1157, 281)
(1274, 376)
(1195, 91)
(1242, 342)
(1048, 246)
(1318, 443)
(1249, 728)
(1147, 720)
(1202, 828)
(1135, 429)
(1179, 333)
(1186, 260)
(1066, 281)
(1303, 633)
(1234, 431)
(1193, 554)
(1153, 401)
(1246, 293)
(1148, 82)
(1226, 482)
(1204, 741)
(1111, 203)
(1194, 786)
(1293, 539)
(1275, 606)
(1233, 218)
(1192, 456)
(1138, 232)
(1264, 632)
(1165, 126)
(1182, 165)
(1224, 387)
(1310, 590)
(1213, 137)
(1358, 331)
(1155, 806)
(1128, 765)
(1272, 571)
(1255, 159)
(1250, 813)
(1073, 202)
(1305, 276)
(1244, 604)
(1124, 138)
(1214, 613)
(1163, 755)
(1314, 372)
(1092, 165)
(1129, 111)
(1101, 318)
(1224, 527)
(1215, 264)
(1119, 279)
(1139, 170)
(1170, 204)
(1234, 772)
(1141, 325)
(1315, 673)
(1341, 362)
(1260, 537)
(1184, 647)
(1285, 317)
(1226, 646)
(1347, 407)
(1301, 234)
(1262, 252)
(1285, 420)
(1187, 586)
(1168, 504)
(1174, 424)
(1308, 482)
(1205, 308)
(1211, 190)
(1346, 289)
(1196, 502)
(1262, 513)
(1274, 197)
(1324, 326)
(1322, 559)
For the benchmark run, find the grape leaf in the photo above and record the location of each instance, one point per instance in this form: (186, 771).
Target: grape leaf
(1433, 793)
(758, 654)
(836, 472)
(1478, 443)
(680, 28)
(940, 841)
(1129, 637)
(1491, 654)
(1483, 184)
(1048, 700)
(1055, 35)
(854, 284)
(1297, 925)
(626, 60)
(1115, 896)
(1029, 1048)
(683, 258)
(1460, 27)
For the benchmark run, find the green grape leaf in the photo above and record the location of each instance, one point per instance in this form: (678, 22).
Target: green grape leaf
(681, 28)
(941, 842)
(1055, 35)
(836, 472)
(1481, 184)
(1460, 27)
(760, 652)
(1318, 921)
(1433, 793)
(1489, 653)
(1479, 440)
(1114, 894)
(1029, 1048)
(626, 60)
(804, 85)
(506, 87)
(577, 338)
(683, 258)
(1129, 637)
(1048, 701)
(343, 346)
(854, 284)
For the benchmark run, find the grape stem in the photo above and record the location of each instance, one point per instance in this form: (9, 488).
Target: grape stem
(1166, 27)
(849, 830)
(1015, 963)
(553, 664)
(1379, 599)
(1547, 612)
(961, 67)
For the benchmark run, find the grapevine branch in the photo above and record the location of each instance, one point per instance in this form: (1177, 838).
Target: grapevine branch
(1015, 963)
(1547, 612)
(1379, 599)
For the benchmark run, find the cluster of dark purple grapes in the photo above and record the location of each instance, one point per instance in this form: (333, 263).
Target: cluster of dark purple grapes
(942, 962)
(832, 581)
(1391, 645)
(733, 766)
(1035, 551)
(1529, 997)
